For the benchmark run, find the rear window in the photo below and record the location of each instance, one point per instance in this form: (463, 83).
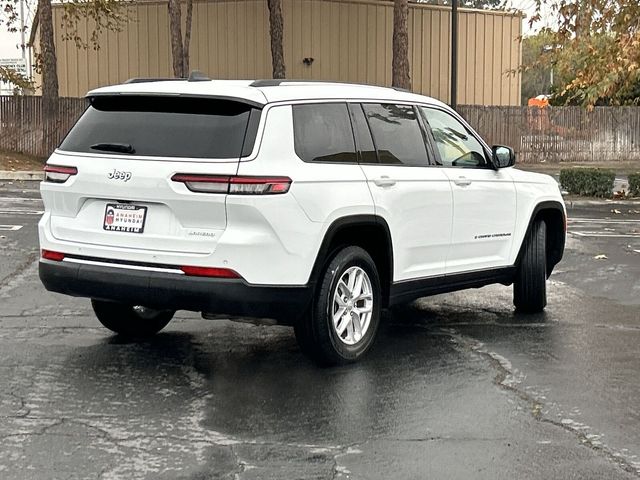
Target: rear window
(165, 127)
(322, 133)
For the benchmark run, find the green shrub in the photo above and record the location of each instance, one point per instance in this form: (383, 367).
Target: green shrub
(634, 184)
(590, 182)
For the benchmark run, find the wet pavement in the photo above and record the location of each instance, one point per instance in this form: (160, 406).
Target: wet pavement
(457, 386)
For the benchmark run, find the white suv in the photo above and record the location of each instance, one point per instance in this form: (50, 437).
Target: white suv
(314, 204)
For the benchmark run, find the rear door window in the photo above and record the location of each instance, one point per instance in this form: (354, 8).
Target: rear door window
(322, 133)
(397, 134)
(164, 127)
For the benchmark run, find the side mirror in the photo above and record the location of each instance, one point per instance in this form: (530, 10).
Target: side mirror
(503, 156)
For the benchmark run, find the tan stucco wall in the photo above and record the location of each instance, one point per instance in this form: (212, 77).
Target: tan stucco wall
(349, 40)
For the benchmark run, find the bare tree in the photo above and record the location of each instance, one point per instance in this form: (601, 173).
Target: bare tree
(276, 32)
(400, 68)
(49, 68)
(180, 46)
(48, 62)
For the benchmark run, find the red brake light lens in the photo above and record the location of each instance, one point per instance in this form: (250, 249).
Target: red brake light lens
(236, 185)
(209, 272)
(58, 174)
(51, 255)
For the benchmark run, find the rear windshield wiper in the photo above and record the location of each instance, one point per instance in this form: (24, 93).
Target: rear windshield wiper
(114, 147)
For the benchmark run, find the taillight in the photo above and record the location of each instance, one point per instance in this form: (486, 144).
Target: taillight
(58, 174)
(209, 272)
(236, 185)
(51, 255)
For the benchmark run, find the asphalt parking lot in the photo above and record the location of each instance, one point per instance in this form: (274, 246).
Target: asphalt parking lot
(457, 386)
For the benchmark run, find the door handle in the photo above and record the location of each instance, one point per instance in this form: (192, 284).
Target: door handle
(462, 181)
(384, 181)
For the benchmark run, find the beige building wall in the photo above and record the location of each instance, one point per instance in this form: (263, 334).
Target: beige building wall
(349, 40)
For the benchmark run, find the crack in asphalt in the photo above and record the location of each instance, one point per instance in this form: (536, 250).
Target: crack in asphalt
(507, 378)
(12, 280)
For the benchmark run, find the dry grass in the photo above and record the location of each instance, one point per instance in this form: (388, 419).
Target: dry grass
(16, 162)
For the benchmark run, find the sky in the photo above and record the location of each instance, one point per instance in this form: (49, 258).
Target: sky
(9, 43)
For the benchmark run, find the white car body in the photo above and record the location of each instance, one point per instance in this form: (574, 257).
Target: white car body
(443, 222)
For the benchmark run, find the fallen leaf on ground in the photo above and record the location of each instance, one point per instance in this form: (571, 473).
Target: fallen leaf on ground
(602, 256)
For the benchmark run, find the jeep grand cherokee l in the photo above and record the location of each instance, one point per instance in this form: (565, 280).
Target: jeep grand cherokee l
(315, 204)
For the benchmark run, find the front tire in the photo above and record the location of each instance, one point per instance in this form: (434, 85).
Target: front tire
(345, 314)
(530, 284)
(129, 320)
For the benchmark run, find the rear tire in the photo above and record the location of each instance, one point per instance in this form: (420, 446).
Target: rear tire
(129, 320)
(345, 313)
(530, 284)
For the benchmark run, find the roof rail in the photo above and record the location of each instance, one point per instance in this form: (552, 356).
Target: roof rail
(198, 76)
(157, 79)
(274, 82)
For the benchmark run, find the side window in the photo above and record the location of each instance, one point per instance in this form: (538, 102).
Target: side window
(397, 135)
(364, 142)
(457, 147)
(322, 133)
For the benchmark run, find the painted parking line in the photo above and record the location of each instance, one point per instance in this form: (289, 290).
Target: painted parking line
(20, 211)
(606, 234)
(606, 221)
(10, 228)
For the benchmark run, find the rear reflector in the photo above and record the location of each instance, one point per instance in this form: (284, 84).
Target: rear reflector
(50, 255)
(58, 174)
(236, 185)
(209, 272)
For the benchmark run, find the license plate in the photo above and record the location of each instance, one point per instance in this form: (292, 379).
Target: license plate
(124, 217)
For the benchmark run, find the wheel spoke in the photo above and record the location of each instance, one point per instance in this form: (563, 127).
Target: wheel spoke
(338, 315)
(352, 280)
(363, 310)
(363, 296)
(350, 330)
(357, 287)
(345, 320)
(345, 288)
(357, 327)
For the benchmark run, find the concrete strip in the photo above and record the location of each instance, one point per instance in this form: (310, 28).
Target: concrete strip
(21, 175)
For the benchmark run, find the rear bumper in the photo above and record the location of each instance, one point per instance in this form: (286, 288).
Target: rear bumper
(175, 292)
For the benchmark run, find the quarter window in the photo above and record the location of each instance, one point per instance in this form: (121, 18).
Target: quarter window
(322, 133)
(456, 145)
(397, 135)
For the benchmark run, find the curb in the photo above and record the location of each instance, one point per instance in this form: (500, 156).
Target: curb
(571, 202)
(36, 175)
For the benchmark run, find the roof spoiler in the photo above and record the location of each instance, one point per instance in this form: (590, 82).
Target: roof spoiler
(196, 76)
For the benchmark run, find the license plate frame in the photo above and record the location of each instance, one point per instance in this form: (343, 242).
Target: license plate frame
(119, 221)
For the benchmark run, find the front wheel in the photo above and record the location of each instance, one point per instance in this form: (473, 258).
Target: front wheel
(131, 320)
(345, 314)
(530, 284)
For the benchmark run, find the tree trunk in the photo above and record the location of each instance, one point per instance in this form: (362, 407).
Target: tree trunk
(400, 71)
(48, 64)
(175, 29)
(276, 29)
(187, 38)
